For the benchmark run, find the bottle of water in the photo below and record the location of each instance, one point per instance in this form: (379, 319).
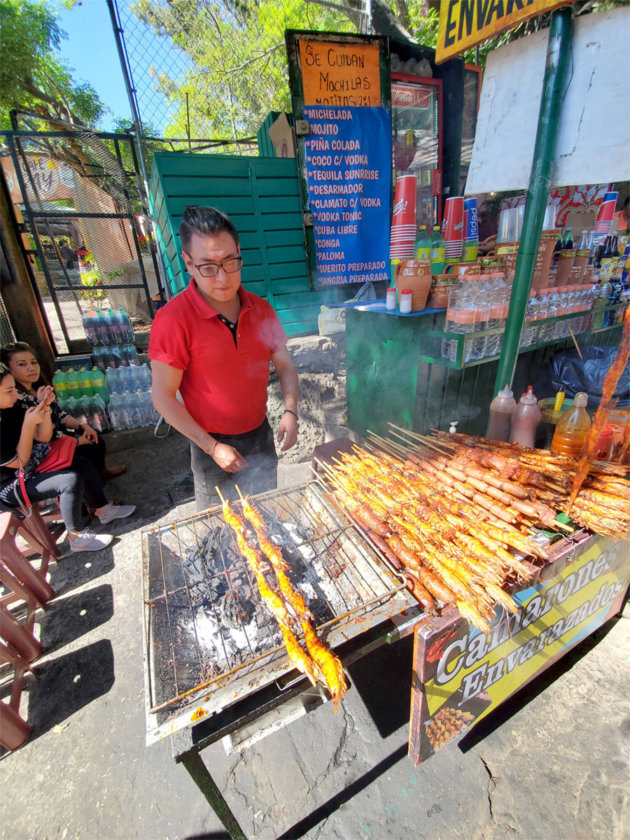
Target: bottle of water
(131, 354)
(497, 292)
(113, 410)
(547, 330)
(527, 335)
(89, 325)
(460, 318)
(127, 329)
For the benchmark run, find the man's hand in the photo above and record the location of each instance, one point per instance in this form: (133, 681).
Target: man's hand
(228, 458)
(287, 431)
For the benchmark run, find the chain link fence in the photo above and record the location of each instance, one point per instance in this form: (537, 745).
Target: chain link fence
(83, 225)
(207, 74)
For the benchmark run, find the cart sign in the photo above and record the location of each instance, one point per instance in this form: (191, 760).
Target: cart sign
(335, 73)
(465, 674)
(348, 178)
(465, 23)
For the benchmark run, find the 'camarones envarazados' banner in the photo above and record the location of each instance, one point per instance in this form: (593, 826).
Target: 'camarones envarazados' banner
(465, 23)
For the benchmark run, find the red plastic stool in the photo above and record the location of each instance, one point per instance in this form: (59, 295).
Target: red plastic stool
(13, 559)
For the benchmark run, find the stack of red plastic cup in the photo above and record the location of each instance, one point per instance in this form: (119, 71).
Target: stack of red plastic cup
(453, 228)
(403, 232)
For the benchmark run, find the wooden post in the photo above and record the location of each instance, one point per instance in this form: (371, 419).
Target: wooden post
(19, 292)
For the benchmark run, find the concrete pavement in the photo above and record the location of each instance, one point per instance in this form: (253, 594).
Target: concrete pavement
(551, 765)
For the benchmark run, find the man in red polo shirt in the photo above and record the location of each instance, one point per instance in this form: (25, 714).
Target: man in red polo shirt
(213, 344)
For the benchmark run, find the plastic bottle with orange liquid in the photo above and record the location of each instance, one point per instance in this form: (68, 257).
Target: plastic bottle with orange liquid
(572, 428)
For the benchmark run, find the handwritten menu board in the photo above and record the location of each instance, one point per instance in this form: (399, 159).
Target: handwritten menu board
(340, 74)
(348, 176)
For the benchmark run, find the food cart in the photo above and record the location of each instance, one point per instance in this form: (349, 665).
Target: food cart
(215, 665)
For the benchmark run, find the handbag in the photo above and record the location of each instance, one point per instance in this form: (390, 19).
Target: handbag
(60, 455)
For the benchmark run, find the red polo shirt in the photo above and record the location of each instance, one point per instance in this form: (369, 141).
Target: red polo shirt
(224, 386)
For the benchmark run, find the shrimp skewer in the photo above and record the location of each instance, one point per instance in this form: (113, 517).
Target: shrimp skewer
(329, 664)
(296, 653)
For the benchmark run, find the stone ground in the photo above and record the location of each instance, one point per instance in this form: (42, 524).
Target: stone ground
(552, 764)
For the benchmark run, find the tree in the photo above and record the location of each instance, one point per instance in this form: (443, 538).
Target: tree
(33, 77)
(235, 68)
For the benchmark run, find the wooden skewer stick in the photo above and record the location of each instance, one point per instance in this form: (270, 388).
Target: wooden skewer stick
(220, 495)
(577, 347)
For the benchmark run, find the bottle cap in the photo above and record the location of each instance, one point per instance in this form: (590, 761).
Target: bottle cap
(406, 292)
(528, 397)
(580, 399)
(506, 392)
(392, 289)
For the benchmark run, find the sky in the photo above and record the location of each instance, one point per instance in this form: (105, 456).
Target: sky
(90, 48)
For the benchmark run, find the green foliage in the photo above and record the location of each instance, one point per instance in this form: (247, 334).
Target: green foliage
(32, 75)
(237, 68)
(91, 287)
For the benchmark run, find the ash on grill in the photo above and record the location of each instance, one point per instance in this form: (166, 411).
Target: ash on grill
(204, 618)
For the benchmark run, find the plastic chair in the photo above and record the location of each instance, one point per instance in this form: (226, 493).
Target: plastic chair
(18, 648)
(15, 561)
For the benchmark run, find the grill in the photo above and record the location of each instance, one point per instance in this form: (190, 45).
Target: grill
(209, 639)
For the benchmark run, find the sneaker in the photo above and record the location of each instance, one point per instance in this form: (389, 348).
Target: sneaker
(89, 541)
(111, 512)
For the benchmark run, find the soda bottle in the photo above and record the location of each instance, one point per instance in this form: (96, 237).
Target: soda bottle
(502, 408)
(572, 428)
(423, 245)
(102, 328)
(438, 251)
(60, 384)
(73, 384)
(128, 329)
(89, 325)
(568, 239)
(525, 419)
(85, 382)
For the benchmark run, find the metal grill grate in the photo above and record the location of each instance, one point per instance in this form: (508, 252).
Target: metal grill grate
(210, 640)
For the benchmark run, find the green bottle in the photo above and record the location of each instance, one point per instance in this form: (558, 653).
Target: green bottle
(438, 252)
(423, 245)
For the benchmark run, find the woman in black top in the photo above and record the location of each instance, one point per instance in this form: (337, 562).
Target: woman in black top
(20, 429)
(20, 358)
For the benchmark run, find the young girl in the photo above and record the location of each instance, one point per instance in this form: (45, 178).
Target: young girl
(22, 430)
(21, 361)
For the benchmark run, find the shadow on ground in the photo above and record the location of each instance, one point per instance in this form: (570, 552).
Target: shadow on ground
(68, 683)
(67, 619)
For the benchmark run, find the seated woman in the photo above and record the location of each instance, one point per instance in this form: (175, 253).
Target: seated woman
(19, 357)
(24, 431)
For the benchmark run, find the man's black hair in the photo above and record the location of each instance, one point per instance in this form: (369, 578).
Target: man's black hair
(204, 221)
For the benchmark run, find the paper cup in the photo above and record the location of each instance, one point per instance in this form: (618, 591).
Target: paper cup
(404, 211)
(604, 220)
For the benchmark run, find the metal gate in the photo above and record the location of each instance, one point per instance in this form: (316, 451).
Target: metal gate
(81, 204)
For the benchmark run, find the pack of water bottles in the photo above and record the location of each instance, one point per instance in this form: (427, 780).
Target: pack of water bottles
(130, 401)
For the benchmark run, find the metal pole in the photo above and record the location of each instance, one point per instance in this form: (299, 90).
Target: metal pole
(554, 85)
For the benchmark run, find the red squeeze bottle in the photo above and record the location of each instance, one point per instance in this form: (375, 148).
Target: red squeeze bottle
(502, 408)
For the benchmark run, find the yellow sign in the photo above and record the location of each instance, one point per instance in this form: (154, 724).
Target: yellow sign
(340, 74)
(465, 23)
(467, 674)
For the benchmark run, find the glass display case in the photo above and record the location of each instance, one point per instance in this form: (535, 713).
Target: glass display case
(417, 140)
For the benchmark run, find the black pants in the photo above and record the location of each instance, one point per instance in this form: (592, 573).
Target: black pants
(70, 485)
(94, 452)
(260, 474)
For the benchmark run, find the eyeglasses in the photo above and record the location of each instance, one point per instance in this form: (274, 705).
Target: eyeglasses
(230, 266)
